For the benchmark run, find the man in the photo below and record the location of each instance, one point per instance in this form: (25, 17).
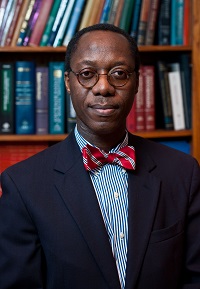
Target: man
(66, 223)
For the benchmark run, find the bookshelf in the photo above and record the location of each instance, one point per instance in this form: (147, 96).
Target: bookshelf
(45, 54)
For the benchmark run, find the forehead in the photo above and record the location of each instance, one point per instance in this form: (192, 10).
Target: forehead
(103, 46)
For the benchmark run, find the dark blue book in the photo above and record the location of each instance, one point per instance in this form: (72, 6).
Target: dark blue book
(135, 18)
(164, 23)
(25, 97)
(56, 98)
(106, 11)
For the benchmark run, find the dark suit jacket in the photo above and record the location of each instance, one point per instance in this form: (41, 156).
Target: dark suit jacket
(52, 234)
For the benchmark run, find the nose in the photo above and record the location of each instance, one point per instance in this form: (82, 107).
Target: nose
(103, 87)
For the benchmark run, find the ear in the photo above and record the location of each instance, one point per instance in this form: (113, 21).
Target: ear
(67, 82)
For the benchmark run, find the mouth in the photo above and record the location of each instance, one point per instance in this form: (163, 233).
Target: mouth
(104, 110)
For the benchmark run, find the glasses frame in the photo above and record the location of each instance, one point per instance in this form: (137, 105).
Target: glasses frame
(108, 77)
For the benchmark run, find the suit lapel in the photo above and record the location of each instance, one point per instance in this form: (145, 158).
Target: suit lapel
(144, 190)
(76, 190)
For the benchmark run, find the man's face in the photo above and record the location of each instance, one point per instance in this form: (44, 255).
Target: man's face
(103, 108)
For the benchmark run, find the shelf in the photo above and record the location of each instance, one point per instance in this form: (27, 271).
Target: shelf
(55, 138)
(62, 49)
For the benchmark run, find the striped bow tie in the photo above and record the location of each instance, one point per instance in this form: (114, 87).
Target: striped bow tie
(94, 158)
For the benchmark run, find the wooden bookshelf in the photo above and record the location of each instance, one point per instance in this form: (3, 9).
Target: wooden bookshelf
(41, 54)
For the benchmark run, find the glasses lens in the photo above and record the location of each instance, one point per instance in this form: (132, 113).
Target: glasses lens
(87, 77)
(118, 77)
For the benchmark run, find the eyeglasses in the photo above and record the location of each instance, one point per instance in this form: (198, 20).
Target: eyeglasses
(116, 77)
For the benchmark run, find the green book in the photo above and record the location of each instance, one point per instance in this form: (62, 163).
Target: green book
(56, 98)
(126, 17)
(50, 22)
(6, 98)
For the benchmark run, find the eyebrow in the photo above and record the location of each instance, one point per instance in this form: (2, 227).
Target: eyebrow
(92, 63)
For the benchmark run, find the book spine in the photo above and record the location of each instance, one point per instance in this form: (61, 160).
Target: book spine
(126, 16)
(32, 21)
(142, 27)
(42, 100)
(186, 22)
(5, 12)
(165, 95)
(73, 21)
(56, 98)
(139, 103)
(118, 13)
(164, 23)
(63, 26)
(106, 11)
(6, 98)
(151, 24)
(176, 96)
(13, 23)
(57, 22)
(135, 19)
(25, 97)
(41, 21)
(50, 22)
(149, 97)
(177, 13)
(25, 23)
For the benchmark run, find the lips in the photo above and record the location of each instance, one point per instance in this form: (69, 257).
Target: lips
(104, 110)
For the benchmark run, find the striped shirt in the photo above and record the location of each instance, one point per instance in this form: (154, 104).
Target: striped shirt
(111, 187)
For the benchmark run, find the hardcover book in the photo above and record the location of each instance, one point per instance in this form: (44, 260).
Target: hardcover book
(6, 98)
(24, 97)
(56, 98)
(42, 100)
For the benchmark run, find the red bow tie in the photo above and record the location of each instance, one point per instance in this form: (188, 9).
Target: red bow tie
(94, 158)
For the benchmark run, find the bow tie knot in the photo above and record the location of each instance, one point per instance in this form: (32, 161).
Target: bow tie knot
(94, 158)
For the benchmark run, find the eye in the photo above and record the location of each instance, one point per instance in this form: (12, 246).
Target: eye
(119, 74)
(87, 74)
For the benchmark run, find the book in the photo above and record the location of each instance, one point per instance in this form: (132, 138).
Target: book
(24, 24)
(186, 81)
(50, 22)
(24, 97)
(143, 20)
(42, 100)
(187, 16)
(126, 16)
(6, 21)
(57, 22)
(113, 11)
(40, 23)
(118, 13)
(6, 98)
(140, 103)
(56, 98)
(86, 14)
(164, 95)
(31, 23)
(93, 17)
(152, 21)
(3, 5)
(18, 23)
(71, 114)
(149, 96)
(98, 16)
(106, 11)
(177, 13)
(73, 24)
(176, 93)
(131, 119)
(135, 19)
(13, 23)
(63, 25)
(164, 23)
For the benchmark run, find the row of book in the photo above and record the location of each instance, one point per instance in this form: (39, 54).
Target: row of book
(33, 99)
(54, 22)
(163, 100)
